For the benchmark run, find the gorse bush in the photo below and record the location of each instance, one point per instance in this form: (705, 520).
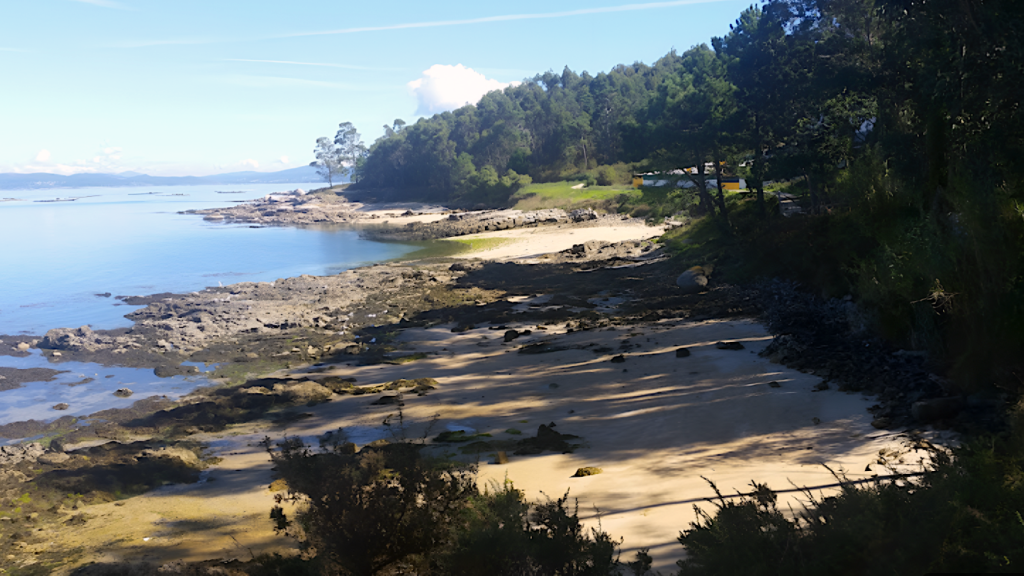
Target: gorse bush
(389, 509)
(364, 512)
(962, 515)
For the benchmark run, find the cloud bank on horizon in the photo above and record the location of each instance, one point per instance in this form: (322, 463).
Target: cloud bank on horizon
(443, 87)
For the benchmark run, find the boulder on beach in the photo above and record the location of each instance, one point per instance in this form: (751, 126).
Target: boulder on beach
(693, 281)
(304, 391)
(168, 371)
(123, 392)
(76, 339)
(53, 458)
(171, 453)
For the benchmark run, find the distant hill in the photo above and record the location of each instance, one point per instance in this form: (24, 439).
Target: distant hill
(10, 181)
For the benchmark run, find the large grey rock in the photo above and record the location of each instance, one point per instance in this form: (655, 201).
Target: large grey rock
(304, 391)
(183, 456)
(10, 455)
(692, 281)
(53, 458)
(76, 339)
(166, 371)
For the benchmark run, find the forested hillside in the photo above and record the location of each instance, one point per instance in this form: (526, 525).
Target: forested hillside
(896, 126)
(899, 118)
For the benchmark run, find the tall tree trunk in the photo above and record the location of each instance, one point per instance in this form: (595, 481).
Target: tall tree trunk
(718, 180)
(702, 186)
(758, 172)
(811, 187)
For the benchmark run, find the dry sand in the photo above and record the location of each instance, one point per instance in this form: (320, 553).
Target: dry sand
(530, 243)
(655, 424)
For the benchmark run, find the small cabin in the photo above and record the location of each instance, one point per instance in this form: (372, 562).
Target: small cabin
(733, 183)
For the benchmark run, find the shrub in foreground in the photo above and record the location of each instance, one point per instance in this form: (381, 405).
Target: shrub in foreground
(963, 514)
(391, 509)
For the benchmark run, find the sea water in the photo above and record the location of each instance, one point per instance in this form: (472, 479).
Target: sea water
(56, 257)
(59, 259)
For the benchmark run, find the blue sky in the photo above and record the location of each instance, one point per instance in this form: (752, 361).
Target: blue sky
(175, 87)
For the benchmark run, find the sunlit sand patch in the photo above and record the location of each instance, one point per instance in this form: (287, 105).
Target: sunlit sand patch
(656, 424)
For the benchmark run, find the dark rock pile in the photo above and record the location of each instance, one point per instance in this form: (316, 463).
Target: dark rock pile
(829, 338)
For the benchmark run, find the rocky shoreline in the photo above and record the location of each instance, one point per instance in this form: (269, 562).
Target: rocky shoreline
(255, 328)
(397, 224)
(309, 324)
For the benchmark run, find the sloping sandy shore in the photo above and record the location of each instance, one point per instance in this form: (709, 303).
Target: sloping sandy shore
(655, 424)
(530, 244)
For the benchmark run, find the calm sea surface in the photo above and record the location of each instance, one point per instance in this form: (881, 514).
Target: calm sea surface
(55, 257)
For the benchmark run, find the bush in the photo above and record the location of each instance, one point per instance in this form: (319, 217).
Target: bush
(498, 535)
(362, 513)
(606, 176)
(962, 515)
(370, 512)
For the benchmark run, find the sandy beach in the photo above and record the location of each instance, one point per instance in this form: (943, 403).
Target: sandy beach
(528, 244)
(657, 424)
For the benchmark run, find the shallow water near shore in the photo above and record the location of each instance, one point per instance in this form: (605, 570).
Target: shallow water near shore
(65, 262)
(86, 388)
(61, 258)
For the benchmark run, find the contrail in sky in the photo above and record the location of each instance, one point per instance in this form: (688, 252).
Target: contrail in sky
(348, 66)
(507, 17)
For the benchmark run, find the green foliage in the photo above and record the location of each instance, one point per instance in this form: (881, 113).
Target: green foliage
(563, 195)
(498, 534)
(962, 515)
(364, 512)
(372, 511)
(893, 119)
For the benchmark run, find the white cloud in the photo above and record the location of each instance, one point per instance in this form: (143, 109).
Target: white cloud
(106, 161)
(284, 160)
(444, 87)
(250, 163)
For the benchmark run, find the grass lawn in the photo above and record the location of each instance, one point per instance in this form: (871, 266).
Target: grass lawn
(448, 247)
(562, 195)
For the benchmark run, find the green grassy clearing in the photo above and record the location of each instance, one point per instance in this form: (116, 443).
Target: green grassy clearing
(562, 195)
(450, 247)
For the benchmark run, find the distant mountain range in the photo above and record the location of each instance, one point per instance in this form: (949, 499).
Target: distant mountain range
(10, 181)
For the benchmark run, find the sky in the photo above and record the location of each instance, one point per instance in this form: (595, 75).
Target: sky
(183, 87)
